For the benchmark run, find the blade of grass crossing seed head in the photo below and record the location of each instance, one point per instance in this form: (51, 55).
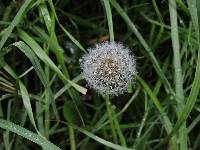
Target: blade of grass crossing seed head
(77, 87)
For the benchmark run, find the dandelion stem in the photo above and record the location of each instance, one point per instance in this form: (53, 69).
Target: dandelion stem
(119, 131)
(114, 123)
(72, 138)
(108, 106)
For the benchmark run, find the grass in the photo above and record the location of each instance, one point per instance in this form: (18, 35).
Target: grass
(44, 102)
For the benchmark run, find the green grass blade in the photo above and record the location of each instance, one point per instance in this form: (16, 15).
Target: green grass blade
(27, 103)
(151, 94)
(44, 57)
(191, 100)
(66, 87)
(109, 19)
(178, 72)
(164, 118)
(176, 50)
(14, 23)
(45, 13)
(160, 33)
(183, 7)
(71, 37)
(100, 140)
(35, 61)
(40, 53)
(27, 134)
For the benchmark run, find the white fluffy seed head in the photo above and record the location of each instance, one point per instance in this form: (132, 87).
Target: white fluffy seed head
(109, 68)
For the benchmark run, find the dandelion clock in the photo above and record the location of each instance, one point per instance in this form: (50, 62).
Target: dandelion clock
(109, 68)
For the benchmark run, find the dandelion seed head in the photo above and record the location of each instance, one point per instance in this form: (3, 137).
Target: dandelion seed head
(109, 68)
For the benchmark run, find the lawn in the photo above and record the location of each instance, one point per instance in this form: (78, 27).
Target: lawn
(99, 74)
